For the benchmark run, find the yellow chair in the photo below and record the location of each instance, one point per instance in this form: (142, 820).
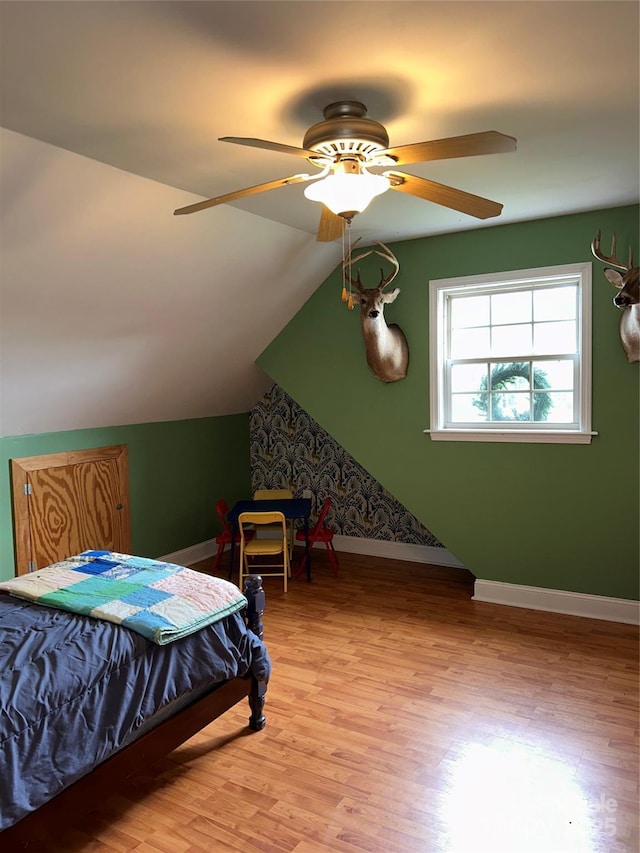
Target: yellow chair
(271, 546)
(274, 495)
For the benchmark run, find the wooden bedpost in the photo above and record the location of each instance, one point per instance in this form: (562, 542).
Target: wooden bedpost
(257, 720)
(255, 608)
(255, 598)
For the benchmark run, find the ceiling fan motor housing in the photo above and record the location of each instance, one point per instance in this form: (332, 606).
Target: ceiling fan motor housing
(346, 130)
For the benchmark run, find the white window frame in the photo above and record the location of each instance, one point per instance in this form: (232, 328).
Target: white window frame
(441, 289)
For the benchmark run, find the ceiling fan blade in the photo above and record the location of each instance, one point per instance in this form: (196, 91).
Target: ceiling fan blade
(271, 146)
(331, 226)
(259, 188)
(473, 205)
(488, 142)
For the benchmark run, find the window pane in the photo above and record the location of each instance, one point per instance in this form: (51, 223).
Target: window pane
(510, 339)
(469, 311)
(469, 343)
(511, 407)
(465, 410)
(511, 308)
(468, 377)
(514, 375)
(559, 374)
(554, 337)
(554, 303)
(560, 410)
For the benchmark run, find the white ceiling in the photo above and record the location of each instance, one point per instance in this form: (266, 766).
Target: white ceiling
(111, 113)
(149, 87)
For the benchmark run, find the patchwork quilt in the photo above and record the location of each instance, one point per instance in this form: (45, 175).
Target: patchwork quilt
(161, 601)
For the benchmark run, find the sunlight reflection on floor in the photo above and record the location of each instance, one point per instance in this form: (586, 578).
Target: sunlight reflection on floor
(505, 797)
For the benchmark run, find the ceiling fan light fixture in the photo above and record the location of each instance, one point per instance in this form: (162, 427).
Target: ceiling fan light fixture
(348, 143)
(344, 192)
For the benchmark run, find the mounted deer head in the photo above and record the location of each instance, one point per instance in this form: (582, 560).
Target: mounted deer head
(628, 299)
(386, 346)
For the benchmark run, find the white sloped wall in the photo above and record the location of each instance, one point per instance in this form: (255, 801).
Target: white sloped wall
(114, 311)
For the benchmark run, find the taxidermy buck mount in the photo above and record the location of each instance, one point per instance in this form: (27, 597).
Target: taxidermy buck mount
(386, 346)
(628, 299)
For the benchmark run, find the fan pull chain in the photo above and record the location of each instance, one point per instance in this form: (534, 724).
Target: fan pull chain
(350, 300)
(346, 232)
(344, 278)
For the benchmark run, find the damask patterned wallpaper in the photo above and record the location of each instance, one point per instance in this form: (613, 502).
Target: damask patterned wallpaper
(289, 450)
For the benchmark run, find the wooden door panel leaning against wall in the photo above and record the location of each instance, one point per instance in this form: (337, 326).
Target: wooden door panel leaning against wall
(72, 507)
(65, 503)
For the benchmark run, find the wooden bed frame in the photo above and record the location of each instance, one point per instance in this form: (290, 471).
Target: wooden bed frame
(32, 830)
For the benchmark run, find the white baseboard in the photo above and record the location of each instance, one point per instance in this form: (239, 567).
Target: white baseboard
(192, 554)
(395, 550)
(491, 592)
(558, 601)
(348, 544)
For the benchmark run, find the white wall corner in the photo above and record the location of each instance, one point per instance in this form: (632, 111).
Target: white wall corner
(558, 601)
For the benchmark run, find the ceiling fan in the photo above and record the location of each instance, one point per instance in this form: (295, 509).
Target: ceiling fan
(345, 146)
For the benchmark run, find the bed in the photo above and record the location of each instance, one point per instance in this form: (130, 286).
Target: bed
(85, 702)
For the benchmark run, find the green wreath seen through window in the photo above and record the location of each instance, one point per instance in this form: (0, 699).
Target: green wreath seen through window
(511, 394)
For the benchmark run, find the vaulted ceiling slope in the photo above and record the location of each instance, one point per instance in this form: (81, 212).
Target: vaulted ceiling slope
(115, 311)
(112, 312)
(150, 87)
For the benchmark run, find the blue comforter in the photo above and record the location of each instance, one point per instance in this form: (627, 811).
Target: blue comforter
(73, 689)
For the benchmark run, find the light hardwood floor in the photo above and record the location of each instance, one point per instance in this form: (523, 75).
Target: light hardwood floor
(402, 717)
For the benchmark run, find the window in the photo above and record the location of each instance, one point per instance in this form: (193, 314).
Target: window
(511, 356)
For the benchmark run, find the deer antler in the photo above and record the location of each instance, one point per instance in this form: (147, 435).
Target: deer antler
(350, 261)
(388, 255)
(610, 259)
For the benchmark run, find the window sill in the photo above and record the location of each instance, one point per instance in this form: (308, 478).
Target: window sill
(522, 436)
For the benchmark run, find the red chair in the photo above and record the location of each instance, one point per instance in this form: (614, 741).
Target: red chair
(320, 533)
(224, 538)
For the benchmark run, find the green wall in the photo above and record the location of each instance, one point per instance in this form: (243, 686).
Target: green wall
(544, 515)
(177, 472)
